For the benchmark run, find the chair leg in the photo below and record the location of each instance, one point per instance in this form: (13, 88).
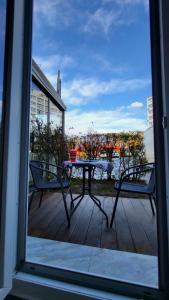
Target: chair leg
(66, 209)
(154, 198)
(151, 203)
(30, 202)
(114, 209)
(41, 196)
(71, 203)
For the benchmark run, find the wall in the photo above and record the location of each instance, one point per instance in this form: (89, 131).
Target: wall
(149, 144)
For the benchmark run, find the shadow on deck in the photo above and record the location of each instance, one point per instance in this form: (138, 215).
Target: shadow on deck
(134, 229)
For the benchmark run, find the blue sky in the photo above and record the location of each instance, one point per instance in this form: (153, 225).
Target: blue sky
(102, 48)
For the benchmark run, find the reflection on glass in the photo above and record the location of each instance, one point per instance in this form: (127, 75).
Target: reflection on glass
(39, 106)
(44, 116)
(55, 116)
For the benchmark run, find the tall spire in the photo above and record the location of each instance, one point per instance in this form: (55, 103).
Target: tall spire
(59, 84)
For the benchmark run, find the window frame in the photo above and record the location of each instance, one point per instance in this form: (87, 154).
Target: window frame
(156, 16)
(12, 83)
(158, 20)
(5, 270)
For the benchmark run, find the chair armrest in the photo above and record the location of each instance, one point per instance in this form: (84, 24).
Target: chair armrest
(137, 166)
(124, 177)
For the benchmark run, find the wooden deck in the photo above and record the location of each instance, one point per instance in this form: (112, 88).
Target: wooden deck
(134, 229)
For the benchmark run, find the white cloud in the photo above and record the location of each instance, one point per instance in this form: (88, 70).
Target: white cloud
(136, 105)
(86, 90)
(53, 13)
(63, 14)
(104, 121)
(112, 13)
(101, 19)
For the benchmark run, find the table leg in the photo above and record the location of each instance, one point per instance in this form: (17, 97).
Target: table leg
(101, 209)
(76, 206)
(87, 188)
(94, 198)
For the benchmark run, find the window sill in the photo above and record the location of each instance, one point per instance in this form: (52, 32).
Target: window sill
(35, 287)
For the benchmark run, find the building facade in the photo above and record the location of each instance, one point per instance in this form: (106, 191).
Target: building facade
(149, 111)
(46, 103)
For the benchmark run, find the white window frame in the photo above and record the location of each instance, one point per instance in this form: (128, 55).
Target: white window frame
(13, 81)
(30, 280)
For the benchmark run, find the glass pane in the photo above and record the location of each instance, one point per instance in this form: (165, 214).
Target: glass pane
(2, 51)
(39, 106)
(55, 116)
(101, 51)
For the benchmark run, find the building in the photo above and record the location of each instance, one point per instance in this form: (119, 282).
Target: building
(46, 103)
(150, 111)
(149, 132)
(149, 144)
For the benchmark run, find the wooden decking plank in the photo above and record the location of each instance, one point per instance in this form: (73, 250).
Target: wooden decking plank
(46, 215)
(59, 227)
(49, 203)
(48, 199)
(64, 233)
(141, 242)
(94, 232)
(123, 230)
(79, 233)
(146, 204)
(148, 222)
(109, 236)
(58, 218)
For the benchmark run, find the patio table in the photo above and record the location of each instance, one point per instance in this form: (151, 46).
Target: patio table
(87, 166)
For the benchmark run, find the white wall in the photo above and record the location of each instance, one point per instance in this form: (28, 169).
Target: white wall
(149, 144)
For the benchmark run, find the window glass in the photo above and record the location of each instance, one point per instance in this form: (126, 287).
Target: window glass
(2, 49)
(55, 116)
(101, 52)
(39, 106)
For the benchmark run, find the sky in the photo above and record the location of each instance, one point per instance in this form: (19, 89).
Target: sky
(102, 48)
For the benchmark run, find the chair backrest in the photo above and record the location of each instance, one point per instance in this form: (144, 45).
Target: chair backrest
(151, 183)
(37, 174)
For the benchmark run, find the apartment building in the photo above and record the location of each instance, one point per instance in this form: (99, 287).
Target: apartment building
(150, 111)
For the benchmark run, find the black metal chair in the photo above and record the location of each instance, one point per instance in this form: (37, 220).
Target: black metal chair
(44, 179)
(132, 187)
